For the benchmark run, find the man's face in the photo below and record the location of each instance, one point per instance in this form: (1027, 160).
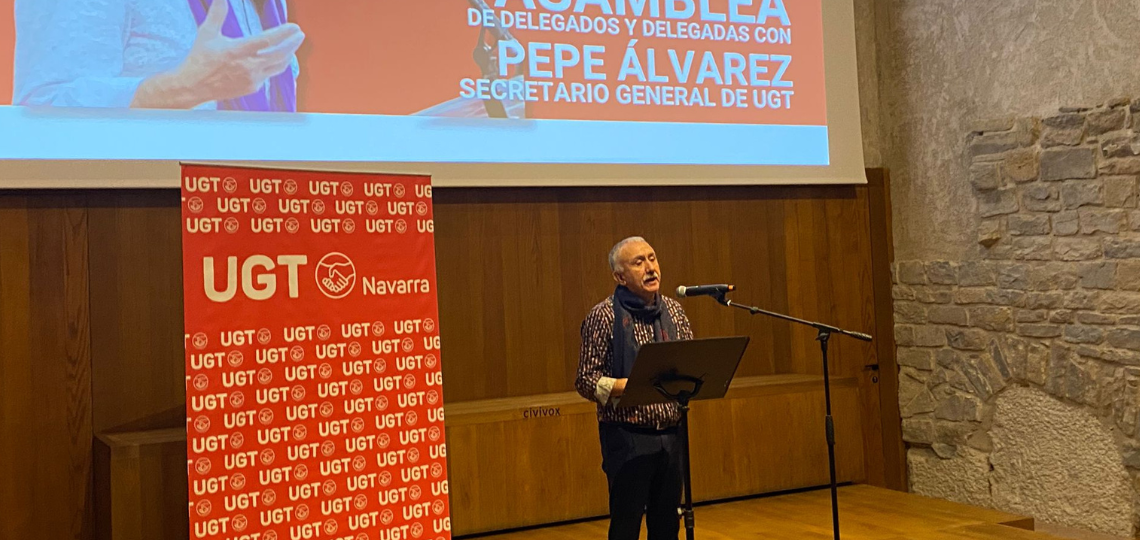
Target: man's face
(638, 270)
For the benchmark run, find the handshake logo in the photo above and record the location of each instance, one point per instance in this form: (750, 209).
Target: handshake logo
(336, 275)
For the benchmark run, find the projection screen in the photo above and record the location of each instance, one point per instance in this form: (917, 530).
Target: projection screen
(114, 93)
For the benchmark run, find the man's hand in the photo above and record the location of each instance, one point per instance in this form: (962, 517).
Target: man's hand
(619, 388)
(219, 67)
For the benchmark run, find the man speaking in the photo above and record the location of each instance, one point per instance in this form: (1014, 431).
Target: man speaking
(640, 445)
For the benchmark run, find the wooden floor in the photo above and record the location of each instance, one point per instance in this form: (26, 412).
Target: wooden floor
(865, 513)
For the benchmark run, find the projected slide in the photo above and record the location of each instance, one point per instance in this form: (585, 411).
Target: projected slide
(661, 82)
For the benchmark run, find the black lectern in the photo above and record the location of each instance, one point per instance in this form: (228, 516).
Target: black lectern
(679, 372)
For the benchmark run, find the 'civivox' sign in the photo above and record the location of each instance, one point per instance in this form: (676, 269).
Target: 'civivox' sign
(314, 399)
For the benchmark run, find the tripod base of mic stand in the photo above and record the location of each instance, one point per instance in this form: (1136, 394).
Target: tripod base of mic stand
(823, 336)
(675, 372)
(682, 399)
(687, 508)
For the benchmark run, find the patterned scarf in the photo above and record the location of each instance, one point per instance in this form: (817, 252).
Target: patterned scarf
(282, 94)
(627, 307)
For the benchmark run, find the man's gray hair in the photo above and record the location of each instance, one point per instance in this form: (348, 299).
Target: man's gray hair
(614, 264)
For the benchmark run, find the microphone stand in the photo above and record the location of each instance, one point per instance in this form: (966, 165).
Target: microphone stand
(823, 335)
(487, 58)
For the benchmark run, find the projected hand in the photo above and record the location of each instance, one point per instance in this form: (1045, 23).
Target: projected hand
(219, 67)
(229, 68)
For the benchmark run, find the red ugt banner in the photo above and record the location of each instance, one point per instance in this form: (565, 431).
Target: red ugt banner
(314, 398)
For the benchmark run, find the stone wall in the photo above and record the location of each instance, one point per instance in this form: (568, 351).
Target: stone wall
(944, 64)
(1040, 323)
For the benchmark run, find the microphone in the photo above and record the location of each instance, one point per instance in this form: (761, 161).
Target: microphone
(484, 54)
(704, 290)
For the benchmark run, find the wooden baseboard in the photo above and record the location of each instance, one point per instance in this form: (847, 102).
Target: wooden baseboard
(536, 459)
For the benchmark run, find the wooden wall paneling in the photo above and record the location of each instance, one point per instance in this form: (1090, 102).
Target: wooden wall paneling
(852, 273)
(73, 279)
(509, 468)
(532, 313)
(45, 389)
(668, 225)
(802, 284)
(585, 277)
(841, 266)
(136, 306)
(780, 298)
(829, 276)
(848, 264)
(494, 246)
(17, 419)
(518, 270)
(693, 252)
(715, 250)
(738, 224)
(60, 334)
(101, 491)
(146, 487)
(587, 228)
(779, 442)
(464, 295)
(860, 358)
(502, 222)
(870, 409)
(808, 283)
(893, 457)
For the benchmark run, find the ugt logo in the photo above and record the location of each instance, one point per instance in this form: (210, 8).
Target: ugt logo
(258, 275)
(336, 275)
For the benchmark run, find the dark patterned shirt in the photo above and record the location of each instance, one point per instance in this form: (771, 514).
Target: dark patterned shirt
(596, 361)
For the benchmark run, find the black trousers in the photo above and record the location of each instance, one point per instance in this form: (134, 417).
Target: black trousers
(644, 472)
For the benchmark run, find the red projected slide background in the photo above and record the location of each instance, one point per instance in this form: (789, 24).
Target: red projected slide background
(7, 47)
(711, 61)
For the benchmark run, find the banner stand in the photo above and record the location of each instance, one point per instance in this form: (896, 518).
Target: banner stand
(314, 398)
